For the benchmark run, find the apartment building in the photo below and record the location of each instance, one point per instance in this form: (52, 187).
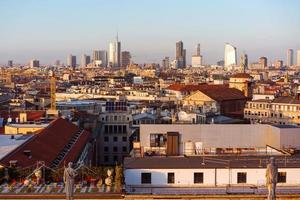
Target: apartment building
(281, 110)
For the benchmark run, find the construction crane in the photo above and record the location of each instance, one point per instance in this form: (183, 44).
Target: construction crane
(52, 92)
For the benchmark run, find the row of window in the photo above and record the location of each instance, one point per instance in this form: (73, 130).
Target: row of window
(274, 107)
(115, 149)
(146, 178)
(115, 139)
(114, 158)
(265, 114)
(115, 118)
(112, 129)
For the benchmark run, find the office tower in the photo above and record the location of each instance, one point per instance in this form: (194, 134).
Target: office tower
(289, 57)
(71, 61)
(115, 53)
(220, 63)
(180, 55)
(263, 61)
(165, 63)
(197, 59)
(57, 63)
(100, 58)
(34, 63)
(243, 62)
(198, 50)
(278, 64)
(298, 58)
(230, 59)
(10, 63)
(85, 60)
(125, 61)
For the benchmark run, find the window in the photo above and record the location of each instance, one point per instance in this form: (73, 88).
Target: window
(124, 129)
(124, 139)
(241, 177)
(106, 159)
(115, 158)
(115, 139)
(171, 178)
(106, 139)
(124, 148)
(105, 149)
(105, 129)
(115, 149)
(281, 178)
(157, 140)
(115, 129)
(198, 177)
(146, 178)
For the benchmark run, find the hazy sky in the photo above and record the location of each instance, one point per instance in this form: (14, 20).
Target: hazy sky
(50, 29)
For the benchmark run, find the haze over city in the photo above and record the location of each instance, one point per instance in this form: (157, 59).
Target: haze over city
(150, 99)
(51, 29)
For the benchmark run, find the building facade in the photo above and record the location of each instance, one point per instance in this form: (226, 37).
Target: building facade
(281, 110)
(71, 61)
(290, 58)
(113, 133)
(115, 53)
(180, 55)
(125, 58)
(230, 56)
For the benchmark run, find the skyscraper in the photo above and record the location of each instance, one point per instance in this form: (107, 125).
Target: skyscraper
(263, 61)
(197, 59)
(180, 55)
(100, 58)
(278, 64)
(10, 63)
(244, 62)
(115, 53)
(85, 60)
(126, 57)
(230, 59)
(165, 63)
(289, 57)
(71, 61)
(34, 63)
(298, 58)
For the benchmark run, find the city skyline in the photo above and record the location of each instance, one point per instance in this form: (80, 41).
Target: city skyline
(64, 29)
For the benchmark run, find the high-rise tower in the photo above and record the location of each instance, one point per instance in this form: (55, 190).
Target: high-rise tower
(180, 55)
(230, 59)
(289, 57)
(115, 53)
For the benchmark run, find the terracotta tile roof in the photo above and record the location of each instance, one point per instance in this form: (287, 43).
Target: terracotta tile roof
(241, 75)
(46, 145)
(33, 115)
(191, 88)
(287, 100)
(216, 92)
(224, 94)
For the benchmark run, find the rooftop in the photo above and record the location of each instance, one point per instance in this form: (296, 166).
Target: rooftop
(8, 143)
(191, 162)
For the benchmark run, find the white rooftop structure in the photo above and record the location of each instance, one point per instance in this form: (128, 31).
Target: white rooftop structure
(8, 143)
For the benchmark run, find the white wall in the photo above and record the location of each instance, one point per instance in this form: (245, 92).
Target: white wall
(185, 177)
(226, 136)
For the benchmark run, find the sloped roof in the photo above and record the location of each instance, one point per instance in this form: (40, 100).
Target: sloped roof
(48, 143)
(288, 100)
(223, 93)
(241, 75)
(31, 115)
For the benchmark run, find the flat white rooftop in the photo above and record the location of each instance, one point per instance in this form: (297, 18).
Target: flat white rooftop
(8, 143)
